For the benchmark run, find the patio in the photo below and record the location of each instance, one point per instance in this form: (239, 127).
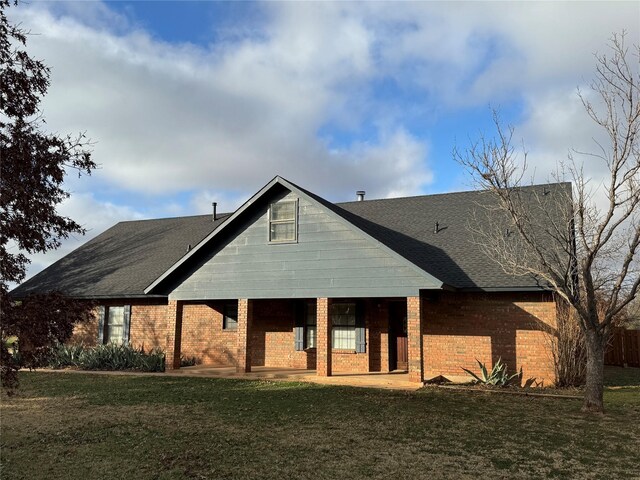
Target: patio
(398, 380)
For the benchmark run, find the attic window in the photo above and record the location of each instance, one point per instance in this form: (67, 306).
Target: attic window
(283, 221)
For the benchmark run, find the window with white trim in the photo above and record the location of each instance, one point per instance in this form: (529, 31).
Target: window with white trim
(115, 325)
(283, 221)
(343, 326)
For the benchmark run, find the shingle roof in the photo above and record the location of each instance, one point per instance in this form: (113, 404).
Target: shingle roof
(124, 259)
(408, 226)
(128, 257)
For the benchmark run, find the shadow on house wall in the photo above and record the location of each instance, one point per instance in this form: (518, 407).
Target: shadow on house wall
(460, 328)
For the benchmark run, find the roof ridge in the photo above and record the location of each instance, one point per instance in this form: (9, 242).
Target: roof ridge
(218, 215)
(443, 194)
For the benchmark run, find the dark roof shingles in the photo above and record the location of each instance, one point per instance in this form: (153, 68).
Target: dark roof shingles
(123, 260)
(407, 225)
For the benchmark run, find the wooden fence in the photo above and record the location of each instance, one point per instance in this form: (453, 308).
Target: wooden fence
(624, 348)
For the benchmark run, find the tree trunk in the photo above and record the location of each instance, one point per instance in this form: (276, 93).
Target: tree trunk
(594, 388)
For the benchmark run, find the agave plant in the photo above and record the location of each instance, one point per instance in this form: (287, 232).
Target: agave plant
(497, 377)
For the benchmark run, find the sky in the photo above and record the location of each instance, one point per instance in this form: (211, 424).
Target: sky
(192, 102)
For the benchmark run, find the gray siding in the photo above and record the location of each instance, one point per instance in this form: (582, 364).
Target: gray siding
(330, 259)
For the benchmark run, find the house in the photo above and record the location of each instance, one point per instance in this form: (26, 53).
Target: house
(292, 280)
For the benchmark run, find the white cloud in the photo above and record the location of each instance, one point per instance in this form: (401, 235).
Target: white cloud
(478, 52)
(169, 118)
(218, 122)
(231, 116)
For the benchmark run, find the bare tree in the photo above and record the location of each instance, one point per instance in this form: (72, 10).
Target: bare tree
(579, 239)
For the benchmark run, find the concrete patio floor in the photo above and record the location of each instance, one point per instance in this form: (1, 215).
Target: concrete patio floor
(398, 380)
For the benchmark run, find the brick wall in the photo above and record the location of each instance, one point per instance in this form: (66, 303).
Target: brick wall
(376, 356)
(323, 352)
(147, 326)
(85, 333)
(345, 361)
(273, 337)
(459, 328)
(415, 338)
(203, 336)
(377, 323)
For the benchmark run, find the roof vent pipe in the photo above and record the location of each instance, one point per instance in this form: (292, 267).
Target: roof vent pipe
(214, 205)
(436, 227)
(360, 195)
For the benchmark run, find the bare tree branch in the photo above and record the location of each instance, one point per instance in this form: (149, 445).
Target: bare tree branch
(557, 233)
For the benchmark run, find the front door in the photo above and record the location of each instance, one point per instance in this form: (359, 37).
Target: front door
(398, 347)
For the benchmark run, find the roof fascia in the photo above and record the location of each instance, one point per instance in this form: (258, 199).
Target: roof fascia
(506, 289)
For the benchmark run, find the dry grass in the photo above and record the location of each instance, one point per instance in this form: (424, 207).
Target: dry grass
(68, 426)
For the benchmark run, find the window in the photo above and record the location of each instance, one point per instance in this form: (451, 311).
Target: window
(310, 326)
(343, 321)
(283, 222)
(230, 319)
(115, 325)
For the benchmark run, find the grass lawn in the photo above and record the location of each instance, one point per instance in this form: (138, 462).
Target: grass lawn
(83, 426)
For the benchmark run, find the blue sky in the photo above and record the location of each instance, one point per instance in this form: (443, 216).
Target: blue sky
(191, 102)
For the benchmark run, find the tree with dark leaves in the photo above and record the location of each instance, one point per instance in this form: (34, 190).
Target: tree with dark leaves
(33, 166)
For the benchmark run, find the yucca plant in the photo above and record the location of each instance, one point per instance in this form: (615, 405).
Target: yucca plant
(61, 355)
(498, 376)
(106, 357)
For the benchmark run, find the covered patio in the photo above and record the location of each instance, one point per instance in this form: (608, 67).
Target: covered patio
(361, 339)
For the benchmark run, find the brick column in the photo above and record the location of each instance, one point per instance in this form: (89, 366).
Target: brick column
(414, 338)
(245, 319)
(384, 336)
(174, 335)
(323, 328)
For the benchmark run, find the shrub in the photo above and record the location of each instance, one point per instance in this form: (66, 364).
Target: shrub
(497, 377)
(568, 348)
(61, 356)
(106, 357)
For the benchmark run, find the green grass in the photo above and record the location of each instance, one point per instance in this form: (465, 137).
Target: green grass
(68, 425)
